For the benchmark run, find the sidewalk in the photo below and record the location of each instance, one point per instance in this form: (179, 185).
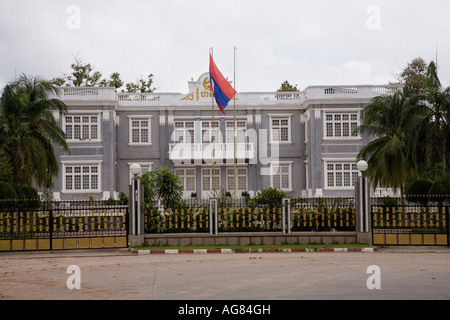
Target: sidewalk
(415, 249)
(224, 250)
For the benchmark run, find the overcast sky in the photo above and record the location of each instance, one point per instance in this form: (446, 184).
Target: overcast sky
(320, 42)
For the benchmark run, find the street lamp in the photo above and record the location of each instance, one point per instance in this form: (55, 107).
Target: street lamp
(135, 169)
(362, 165)
(363, 197)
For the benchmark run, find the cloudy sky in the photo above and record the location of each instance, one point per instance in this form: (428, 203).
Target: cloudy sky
(318, 42)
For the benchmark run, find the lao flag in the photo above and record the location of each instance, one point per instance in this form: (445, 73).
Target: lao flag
(223, 91)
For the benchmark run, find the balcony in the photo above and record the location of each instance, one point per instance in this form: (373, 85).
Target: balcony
(205, 152)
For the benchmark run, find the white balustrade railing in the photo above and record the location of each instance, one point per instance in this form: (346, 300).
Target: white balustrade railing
(313, 92)
(138, 97)
(87, 93)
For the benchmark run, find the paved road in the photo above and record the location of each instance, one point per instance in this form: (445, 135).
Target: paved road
(404, 273)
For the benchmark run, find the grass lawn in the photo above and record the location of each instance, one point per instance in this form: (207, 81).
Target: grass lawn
(237, 247)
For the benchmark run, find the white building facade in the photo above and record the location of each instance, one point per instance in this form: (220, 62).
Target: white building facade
(300, 142)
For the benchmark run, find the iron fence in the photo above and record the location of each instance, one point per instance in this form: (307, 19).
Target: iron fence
(410, 224)
(62, 220)
(306, 214)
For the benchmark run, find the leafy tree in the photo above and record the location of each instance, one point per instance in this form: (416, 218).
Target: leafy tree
(142, 86)
(287, 87)
(114, 82)
(28, 129)
(414, 77)
(84, 75)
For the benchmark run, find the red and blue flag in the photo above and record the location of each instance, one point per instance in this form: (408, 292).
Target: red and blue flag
(223, 91)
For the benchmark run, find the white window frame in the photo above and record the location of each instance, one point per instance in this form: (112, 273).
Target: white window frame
(210, 176)
(338, 172)
(340, 124)
(184, 131)
(183, 178)
(280, 117)
(241, 130)
(279, 165)
(230, 187)
(89, 124)
(211, 132)
(139, 118)
(145, 167)
(82, 165)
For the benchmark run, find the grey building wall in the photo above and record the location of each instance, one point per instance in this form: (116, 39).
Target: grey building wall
(307, 151)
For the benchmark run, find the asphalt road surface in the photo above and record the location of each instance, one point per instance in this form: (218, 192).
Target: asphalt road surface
(388, 274)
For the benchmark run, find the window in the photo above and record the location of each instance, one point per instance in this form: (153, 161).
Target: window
(184, 132)
(82, 127)
(82, 177)
(280, 129)
(281, 176)
(208, 176)
(341, 125)
(241, 127)
(210, 131)
(187, 178)
(241, 179)
(341, 175)
(140, 131)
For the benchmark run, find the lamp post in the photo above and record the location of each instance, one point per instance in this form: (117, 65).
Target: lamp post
(135, 203)
(362, 197)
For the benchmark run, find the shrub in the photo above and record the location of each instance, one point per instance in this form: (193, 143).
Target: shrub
(8, 195)
(123, 198)
(418, 191)
(270, 197)
(31, 196)
(440, 189)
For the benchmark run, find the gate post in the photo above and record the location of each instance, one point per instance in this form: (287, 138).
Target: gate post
(213, 216)
(136, 220)
(363, 212)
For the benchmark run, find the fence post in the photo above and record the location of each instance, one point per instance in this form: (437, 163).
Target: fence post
(213, 216)
(286, 215)
(50, 228)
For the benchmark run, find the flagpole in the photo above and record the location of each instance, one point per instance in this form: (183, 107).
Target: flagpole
(234, 109)
(212, 136)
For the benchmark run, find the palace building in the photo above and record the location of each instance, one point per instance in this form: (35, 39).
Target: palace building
(300, 142)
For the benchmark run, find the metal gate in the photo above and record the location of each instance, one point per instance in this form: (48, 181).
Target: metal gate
(408, 225)
(63, 225)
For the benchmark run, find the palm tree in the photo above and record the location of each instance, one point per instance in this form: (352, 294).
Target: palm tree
(28, 129)
(162, 185)
(432, 137)
(389, 120)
